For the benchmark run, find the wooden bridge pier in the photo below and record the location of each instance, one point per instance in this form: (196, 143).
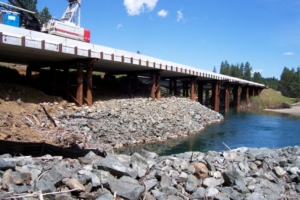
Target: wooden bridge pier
(193, 88)
(227, 96)
(200, 92)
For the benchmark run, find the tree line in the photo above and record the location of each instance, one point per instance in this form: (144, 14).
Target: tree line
(245, 71)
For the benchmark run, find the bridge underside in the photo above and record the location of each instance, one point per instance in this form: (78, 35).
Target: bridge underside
(65, 54)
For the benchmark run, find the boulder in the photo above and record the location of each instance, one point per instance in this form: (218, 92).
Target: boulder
(115, 167)
(126, 187)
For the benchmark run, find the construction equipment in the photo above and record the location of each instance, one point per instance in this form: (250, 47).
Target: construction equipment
(28, 19)
(69, 25)
(15, 16)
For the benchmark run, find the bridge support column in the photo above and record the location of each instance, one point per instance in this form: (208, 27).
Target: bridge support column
(175, 87)
(28, 74)
(227, 96)
(215, 96)
(129, 84)
(237, 97)
(89, 85)
(158, 92)
(171, 86)
(206, 96)
(200, 92)
(186, 89)
(67, 79)
(136, 81)
(193, 88)
(53, 80)
(79, 92)
(247, 95)
(153, 85)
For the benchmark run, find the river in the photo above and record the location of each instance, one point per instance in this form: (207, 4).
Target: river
(243, 129)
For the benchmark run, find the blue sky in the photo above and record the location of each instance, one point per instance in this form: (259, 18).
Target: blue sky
(198, 33)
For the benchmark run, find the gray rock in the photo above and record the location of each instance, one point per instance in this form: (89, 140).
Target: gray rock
(232, 178)
(159, 195)
(6, 165)
(103, 176)
(173, 197)
(126, 187)
(169, 191)
(150, 184)
(45, 185)
(191, 183)
(211, 192)
(198, 194)
(63, 197)
(95, 179)
(106, 196)
(115, 167)
(212, 182)
(279, 171)
(221, 197)
(166, 181)
(58, 172)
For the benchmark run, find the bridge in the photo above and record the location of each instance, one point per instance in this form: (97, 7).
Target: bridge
(40, 50)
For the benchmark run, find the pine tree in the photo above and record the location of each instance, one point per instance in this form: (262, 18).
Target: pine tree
(247, 71)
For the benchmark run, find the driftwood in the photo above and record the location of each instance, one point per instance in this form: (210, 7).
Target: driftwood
(49, 117)
(40, 149)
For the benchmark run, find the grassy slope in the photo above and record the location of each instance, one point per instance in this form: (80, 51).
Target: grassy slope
(270, 98)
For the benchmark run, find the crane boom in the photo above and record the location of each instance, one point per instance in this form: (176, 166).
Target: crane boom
(72, 11)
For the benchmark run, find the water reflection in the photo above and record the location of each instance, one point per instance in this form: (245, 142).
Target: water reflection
(251, 129)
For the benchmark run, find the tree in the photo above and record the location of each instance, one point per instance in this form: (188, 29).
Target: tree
(42, 16)
(286, 79)
(214, 70)
(247, 71)
(225, 68)
(257, 77)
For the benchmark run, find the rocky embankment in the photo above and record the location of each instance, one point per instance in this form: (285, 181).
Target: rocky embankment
(123, 122)
(245, 173)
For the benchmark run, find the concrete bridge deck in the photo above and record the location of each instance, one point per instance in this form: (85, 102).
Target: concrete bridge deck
(39, 50)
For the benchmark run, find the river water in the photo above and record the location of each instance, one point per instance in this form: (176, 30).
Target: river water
(243, 129)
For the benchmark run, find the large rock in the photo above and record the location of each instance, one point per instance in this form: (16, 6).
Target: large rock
(191, 183)
(213, 182)
(201, 171)
(232, 178)
(126, 187)
(6, 165)
(115, 167)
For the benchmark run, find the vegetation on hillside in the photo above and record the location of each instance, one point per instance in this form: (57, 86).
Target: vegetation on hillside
(269, 98)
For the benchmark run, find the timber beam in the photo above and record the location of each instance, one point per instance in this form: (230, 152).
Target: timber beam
(193, 89)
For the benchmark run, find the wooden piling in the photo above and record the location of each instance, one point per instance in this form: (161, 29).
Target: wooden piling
(200, 92)
(193, 88)
(53, 80)
(153, 85)
(227, 96)
(158, 92)
(89, 85)
(79, 92)
(67, 82)
(175, 87)
(215, 96)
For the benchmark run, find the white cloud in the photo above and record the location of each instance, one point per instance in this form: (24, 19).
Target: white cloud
(119, 26)
(288, 54)
(136, 7)
(179, 15)
(162, 13)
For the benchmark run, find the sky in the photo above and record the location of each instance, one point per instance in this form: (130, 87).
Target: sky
(197, 33)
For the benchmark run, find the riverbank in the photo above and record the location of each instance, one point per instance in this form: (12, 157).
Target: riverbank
(244, 173)
(109, 123)
(294, 110)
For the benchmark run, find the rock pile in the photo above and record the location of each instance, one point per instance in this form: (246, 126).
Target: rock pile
(245, 173)
(122, 122)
